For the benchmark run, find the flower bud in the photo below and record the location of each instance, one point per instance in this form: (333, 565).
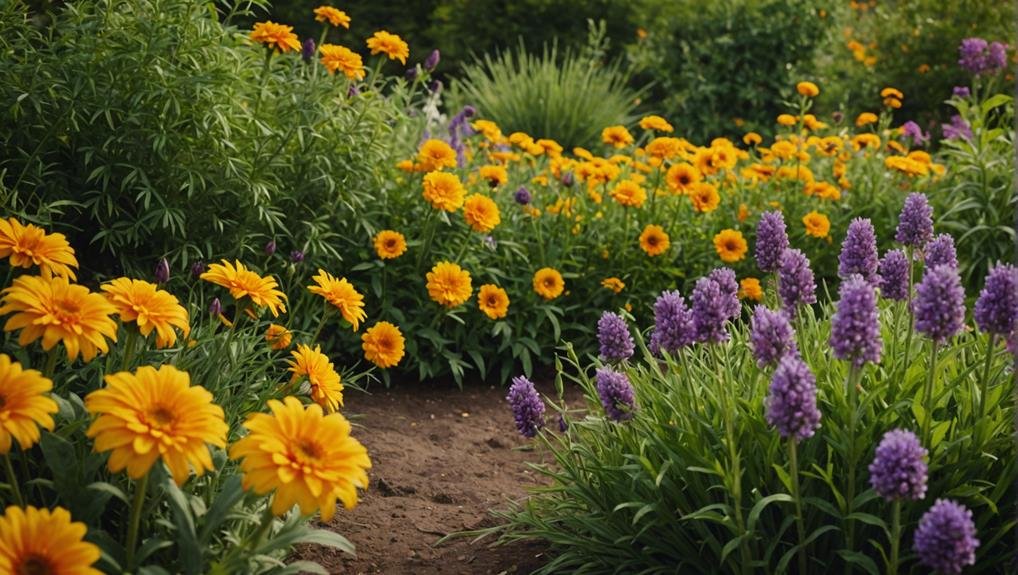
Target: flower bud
(307, 49)
(431, 62)
(162, 271)
(216, 307)
(270, 248)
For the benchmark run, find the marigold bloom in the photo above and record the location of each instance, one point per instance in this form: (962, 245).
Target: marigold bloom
(326, 386)
(664, 148)
(337, 58)
(891, 93)
(628, 193)
(278, 337)
(493, 301)
(616, 136)
(682, 178)
(865, 119)
(808, 89)
(449, 284)
(154, 414)
(28, 245)
(787, 120)
(308, 458)
(656, 123)
(705, 197)
(444, 191)
(149, 307)
(57, 311)
(752, 139)
(25, 405)
(383, 344)
(495, 175)
(481, 213)
(243, 282)
(342, 295)
(389, 244)
(614, 284)
(654, 241)
(817, 224)
(548, 283)
(435, 155)
(749, 288)
(730, 245)
(334, 16)
(40, 541)
(389, 44)
(276, 36)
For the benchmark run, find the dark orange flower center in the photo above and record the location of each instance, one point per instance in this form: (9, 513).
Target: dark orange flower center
(652, 240)
(35, 565)
(161, 416)
(309, 449)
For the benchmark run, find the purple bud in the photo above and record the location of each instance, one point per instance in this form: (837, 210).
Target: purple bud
(352, 91)
(528, 409)
(893, 275)
(216, 307)
(435, 86)
(673, 324)
(431, 62)
(616, 394)
(899, 469)
(941, 252)
(792, 399)
(468, 110)
(945, 540)
(563, 425)
(996, 310)
(961, 92)
(568, 179)
(411, 73)
(522, 196)
(915, 223)
(197, 268)
(296, 256)
(859, 251)
(939, 304)
(162, 272)
(770, 336)
(614, 339)
(855, 326)
(771, 241)
(796, 285)
(307, 49)
(270, 247)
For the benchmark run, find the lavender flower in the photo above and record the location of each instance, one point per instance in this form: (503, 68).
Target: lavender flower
(431, 62)
(296, 256)
(673, 324)
(616, 394)
(946, 538)
(855, 326)
(912, 131)
(792, 399)
(771, 241)
(972, 55)
(216, 307)
(725, 278)
(961, 92)
(859, 251)
(616, 343)
(713, 305)
(307, 49)
(522, 196)
(941, 252)
(915, 223)
(162, 272)
(996, 310)
(770, 336)
(795, 281)
(197, 268)
(958, 129)
(898, 470)
(893, 275)
(528, 409)
(270, 247)
(435, 86)
(997, 58)
(939, 304)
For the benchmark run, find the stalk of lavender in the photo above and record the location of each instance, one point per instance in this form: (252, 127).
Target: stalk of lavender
(894, 279)
(673, 324)
(770, 336)
(898, 472)
(796, 284)
(945, 540)
(528, 409)
(996, 313)
(914, 231)
(771, 242)
(939, 308)
(615, 341)
(859, 251)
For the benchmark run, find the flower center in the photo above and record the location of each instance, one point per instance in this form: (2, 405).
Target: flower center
(161, 416)
(390, 244)
(652, 240)
(730, 246)
(35, 565)
(67, 311)
(309, 450)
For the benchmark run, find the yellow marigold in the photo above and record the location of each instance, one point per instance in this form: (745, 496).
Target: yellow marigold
(654, 241)
(57, 311)
(752, 139)
(705, 197)
(405, 165)
(614, 284)
(342, 295)
(340, 58)
(496, 175)
(829, 146)
(152, 414)
(808, 89)
(449, 284)
(276, 36)
(25, 405)
(743, 212)
(799, 172)
(583, 153)
(865, 119)
(278, 337)
(481, 213)
(893, 103)
(548, 283)
(493, 301)
(444, 191)
(812, 123)
(44, 542)
(334, 16)
(730, 245)
(864, 141)
(749, 288)
(682, 178)
(326, 386)
(28, 245)
(823, 190)
(664, 148)
(817, 224)
(920, 156)
(149, 307)
(656, 123)
(783, 150)
(243, 282)
(891, 93)
(389, 244)
(628, 193)
(308, 458)
(389, 44)
(551, 147)
(383, 344)
(787, 120)
(617, 137)
(435, 155)
(897, 147)
(488, 129)
(906, 166)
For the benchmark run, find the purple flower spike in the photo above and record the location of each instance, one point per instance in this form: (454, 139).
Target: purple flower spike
(197, 268)
(771, 241)
(939, 304)
(216, 308)
(770, 336)
(945, 540)
(855, 326)
(528, 409)
(976, 56)
(711, 311)
(915, 223)
(796, 285)
(673, 324)
(899, 469)
(996, 310)
(859, 251)
(958, 129)
(893, 272)
(725, 278)
(307, 49)
(912, 131)
(613, 335)
(616, 393)
(941, 252)
(792, 399)
(431, 62)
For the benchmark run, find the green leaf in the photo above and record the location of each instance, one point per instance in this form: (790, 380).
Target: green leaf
(230, 493)
(860, 559)
(758, 508)
(328, 539)
(190, 553)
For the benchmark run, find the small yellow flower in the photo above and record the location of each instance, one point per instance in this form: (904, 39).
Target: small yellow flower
(743, 212)
(629, 194)
(25, 405)
(149, 308)
(548, 283)
(278, 337)
(389, 244)
(865, 119)
(243, 282)
(28, 245)
(654, 241)
(481, 213)
(656, 123)
(616, 136)
(435, 155)
(890, 92)
(682, 178)
(730, 245)
(496, 175)
(749, 288)
(705, 197)
(787, 120)
(817, 224)
(342, 295)
(444, 191)
(383, 344)
(276, 36)
(340, 58)
(326, 386)
(449, 284)
(614, 284)
(808, 89)
(389, 44)
(493, 301)
(334, 16)
(752, 139)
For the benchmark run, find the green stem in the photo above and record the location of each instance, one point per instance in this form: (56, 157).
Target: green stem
(892, 567)
(263, 527)
(851, 384)
(985, 381)
(911, 316)
(321, 323)
(51, 363)
(928, 398)
(728, 406)
(12, 479)
(800, 525)
(135, 520)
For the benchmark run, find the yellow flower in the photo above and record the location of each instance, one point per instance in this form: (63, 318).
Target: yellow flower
(389, 245)
(278, 337)
(481, 213)
(817, 224)
(906, 165)
(787, 120)
(243, 282)
(444, 191)
(488, 129)
(308, 458)
(752, 139)
(149, 307)
(154, 414)
(57, 311)
(25, 405)
(654, 241)
(548, 283)
(276, 36)
(865, 119)
(342, 295)
(629, 194)
(389, 44)
(891, 93)
(705, 197)
(614, 284)
(493, 301)
(892, 103)
(383, 344)
(45, 542)
(749, 288)
(616, 136)
(730, 245)
(743, 212)
(326, 387)
(783, 149)
(28, 245)
(823, 190)
(496, 175)
(405, 166)
(863, 141)
(682, 178)
(435, 155)
(340, 58)
(656, 123)
(808, 89)
(551, 147)
(449, 284)
(334, 16)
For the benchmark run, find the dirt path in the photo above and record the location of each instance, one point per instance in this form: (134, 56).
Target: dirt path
(442, 458)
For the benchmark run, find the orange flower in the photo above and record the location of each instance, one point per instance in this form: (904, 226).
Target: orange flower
(326, 386)
(548, 283)
(449, 284)
(243, 282)
(808, 89)
(682, 178)
(334, 16)
(628, 193)
(656, 123)
(389, 244)
(616, 136)
(730, 245)
(383, 344)
(276, 36)
(340, 58)
(493, 301)
(435, 155)
(278, 337)
(614, 284)
(28, 245)
(705, 197)
(654, 241)
(481, 213)
(749, 288)
(817, 224)
(342, 295)
(389, 44)
(443, 191)
(149, 307)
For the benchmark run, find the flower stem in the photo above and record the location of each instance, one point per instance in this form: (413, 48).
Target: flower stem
(51, 363)
(908, 310)
(793, 460)
(12, 479)
(928, 398)
(985, 381)
(137, 504)
(892, 567)
(853, 400)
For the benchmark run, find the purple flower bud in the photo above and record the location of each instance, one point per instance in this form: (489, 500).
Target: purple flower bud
(216, 307)
(958, 129)
(855, 326)
(411, 73)
(614, 339)
(563, 425)
(859, 251)
(899, 470)
(197, 268)
(796, 285)
(435, 86)
(673, 324)
(616, 393)
(941, 252)
(961, 92)
(522, 196)
(568, 179)
(468, 110)
(893, 275)
(939, 304)
(771, 241)
(431, 62)
(270, 247)
(162, 272)
(792, 399)
(996, 310)
(912, 131)
(307, 49)
(915, 223)
(945, 540)
(296, 256)
(770, 336)
(528, 409)
(352, 91)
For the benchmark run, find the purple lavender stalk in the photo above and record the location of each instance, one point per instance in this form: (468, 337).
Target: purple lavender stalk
(945, 540)
(771, 241)
(796, 285)
(941, 252)
(996, 310)
(770, 336)
(899, 469)
(528, 409)
(614, 339)
(859, 251)
(855, 326)
(893, 275)
(791, 400)
(616, 394)
(915, 223)
(939, 304)
(673, 324)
